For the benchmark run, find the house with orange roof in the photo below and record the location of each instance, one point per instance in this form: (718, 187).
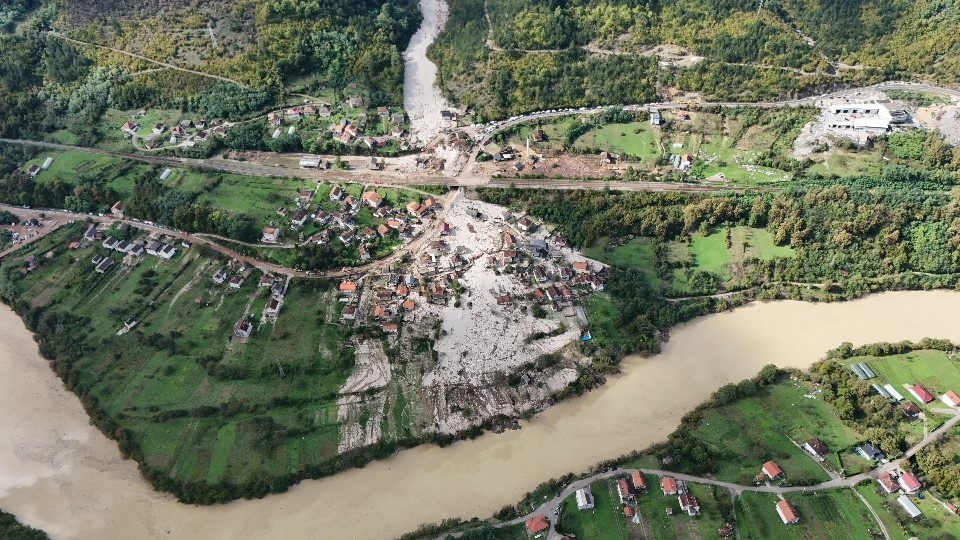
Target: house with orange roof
(639, 481)
(888, 483)
(951, 399)
(537, 524)
(788, 513)
(668, 485)
(772, 470)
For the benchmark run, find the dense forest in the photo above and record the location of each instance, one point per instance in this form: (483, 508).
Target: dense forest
(747, 52)
(11, 529)
(48, 84)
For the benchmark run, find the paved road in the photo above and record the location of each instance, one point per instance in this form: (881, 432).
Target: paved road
(391, 178)
(548, 508)
(428, 234)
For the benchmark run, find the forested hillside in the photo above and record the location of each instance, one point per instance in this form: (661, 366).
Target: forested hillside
(729, 49)
(266, 51)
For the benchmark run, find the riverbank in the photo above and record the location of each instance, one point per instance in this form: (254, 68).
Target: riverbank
(59, 474)
(422, 98)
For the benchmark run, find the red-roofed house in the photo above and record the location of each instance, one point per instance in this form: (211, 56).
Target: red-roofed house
(909, 483)
(772, 470)
(668, 485)
(787, 512)
(372, 198)
(348, 287)
(921, 394)
(639, 481)
(117, 209)
(951, 398)
(689, 504)
(538, 524)
(887, 482)
(951, 507)
(623, 489)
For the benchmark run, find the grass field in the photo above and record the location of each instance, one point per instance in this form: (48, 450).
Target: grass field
(931, 369)
(750, 431)
(827, 514)
(637, 139)
(605, 521)
(201, 406)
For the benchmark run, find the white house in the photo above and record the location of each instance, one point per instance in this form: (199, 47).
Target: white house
(584, 498)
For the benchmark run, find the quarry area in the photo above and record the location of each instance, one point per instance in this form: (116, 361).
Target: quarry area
(480, 323)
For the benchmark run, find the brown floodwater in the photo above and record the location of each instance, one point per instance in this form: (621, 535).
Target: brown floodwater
(60, 474)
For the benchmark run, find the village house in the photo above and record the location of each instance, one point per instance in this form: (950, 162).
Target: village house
(584, 498)
(921, 393)
(348, 288)
(888, 483)
(266, 280)
(537, 525)
(623, 489)
(383, 110)
(33, 171)
(159, 128)
(336, 193)
(105, 264)
(816, 448)
(167, 252)
(130, 127)
(639, 482)
(539, 135)
(525, 224)
(871, 452)
(950, 399)
(236, 282)
(363, 253)
(243, 329)
(347, 237)
(772, 470)
(391, 328)
(581, 267)
(669, 486)
(325, 111)
(299, 218)
(408, 305)
(271, 235)
(727, 531)
(273, 308)
(304, 196)
(349, 313)
(351, 203)
(372, 199)
(910, 410)
(154, 247)
(909, 483)
(787, 512)
(383, 230)
(689, 504)
(117, 209)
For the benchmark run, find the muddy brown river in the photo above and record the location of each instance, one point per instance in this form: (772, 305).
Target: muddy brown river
(60, 474)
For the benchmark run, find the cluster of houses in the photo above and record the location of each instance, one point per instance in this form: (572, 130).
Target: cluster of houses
(187, 132)
(341, 226)
(345, 131)
(389, 303)
(157, 245)
(271, 310)
(863, 372)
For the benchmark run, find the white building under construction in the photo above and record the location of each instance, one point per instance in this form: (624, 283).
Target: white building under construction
(871, 116)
